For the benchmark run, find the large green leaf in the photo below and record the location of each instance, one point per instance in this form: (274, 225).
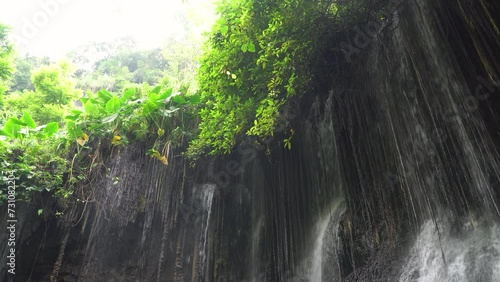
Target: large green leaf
(110, 118)
(179, 100)
(153, 153)
(12, 128)
(104, 96)
(72, 118)
(17, 121)
(149, 107)
(90, 107)
(28, 120)
(156, 90)
(129, 93)
(165, 94)
(251, 47)
(113, 105)
(51, 128)
(75, 114)
(194, 99)
(153, 97)
(74, 131)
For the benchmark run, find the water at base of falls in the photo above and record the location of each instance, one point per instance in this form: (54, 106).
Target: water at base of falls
(316, 269)
(471, 253)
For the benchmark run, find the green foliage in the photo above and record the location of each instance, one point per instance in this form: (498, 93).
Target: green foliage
(54, 84)
(51, 128)
(28, 152)
(21, 78)
(6, 50)
(181, 55)
(30, 101)
(117, 65)
(259, 55)
(129, 116)
(6, 57)
(38, 155)
(55, 156)
(262, 54)
(18, 128)
(55, 90)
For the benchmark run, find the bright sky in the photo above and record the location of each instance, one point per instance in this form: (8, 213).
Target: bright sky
(55, 27)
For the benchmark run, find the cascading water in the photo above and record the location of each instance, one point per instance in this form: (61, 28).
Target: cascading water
(317, 256)
(207, 194)
(414, 141)
(396, 138)
(468, 251)
(326, 245)
(256, 234)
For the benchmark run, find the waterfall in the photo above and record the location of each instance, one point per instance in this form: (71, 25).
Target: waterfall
(471, 251)
(321, 263)
(207, 195)
(256, 234)
(317, 262)
(393, 176)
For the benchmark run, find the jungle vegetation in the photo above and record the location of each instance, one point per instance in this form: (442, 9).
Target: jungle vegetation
(197, 97)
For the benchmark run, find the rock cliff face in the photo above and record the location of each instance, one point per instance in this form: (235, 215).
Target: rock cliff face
(393, 175)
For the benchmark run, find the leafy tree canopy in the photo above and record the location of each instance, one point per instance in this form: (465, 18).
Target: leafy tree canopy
(21, 78)
(54, 92)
